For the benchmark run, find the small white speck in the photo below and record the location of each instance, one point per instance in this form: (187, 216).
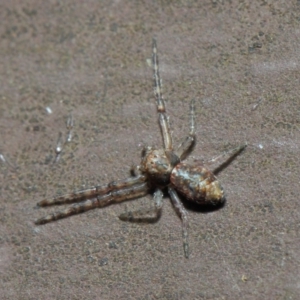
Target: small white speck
(149, 62)
(58, 149)
(48, 110)
(2, 158)
(260, 146)
(36, 230)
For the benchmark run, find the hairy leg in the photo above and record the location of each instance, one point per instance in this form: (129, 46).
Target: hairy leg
(135, 191)
(148, 214)
(92, 192)
(184, 218)
(161, 108)
(185, 147)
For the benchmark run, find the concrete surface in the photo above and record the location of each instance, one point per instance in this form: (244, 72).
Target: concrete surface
(238, 59)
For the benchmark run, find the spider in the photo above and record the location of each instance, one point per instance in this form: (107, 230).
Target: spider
(160, 169)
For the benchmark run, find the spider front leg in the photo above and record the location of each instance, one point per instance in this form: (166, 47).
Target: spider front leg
(160, 103)
(114, 192)
(146, 215)
(184, 218)
(92, 192)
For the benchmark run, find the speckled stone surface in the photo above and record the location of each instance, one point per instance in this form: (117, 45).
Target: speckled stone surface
(238, 59)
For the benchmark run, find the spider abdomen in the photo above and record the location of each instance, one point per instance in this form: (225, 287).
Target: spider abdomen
(197, 184)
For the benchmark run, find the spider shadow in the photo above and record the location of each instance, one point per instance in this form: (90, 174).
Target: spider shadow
(228, 161)
(202, 208)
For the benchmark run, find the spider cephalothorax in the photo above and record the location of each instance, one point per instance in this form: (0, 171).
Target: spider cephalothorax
(158, 165)
(160, 169)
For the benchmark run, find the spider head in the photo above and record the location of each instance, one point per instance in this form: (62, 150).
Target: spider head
(158, 164)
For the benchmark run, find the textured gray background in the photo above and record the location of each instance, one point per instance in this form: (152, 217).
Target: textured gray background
(90, 58)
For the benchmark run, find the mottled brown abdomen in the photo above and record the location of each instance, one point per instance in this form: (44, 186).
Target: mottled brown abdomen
(197, 184)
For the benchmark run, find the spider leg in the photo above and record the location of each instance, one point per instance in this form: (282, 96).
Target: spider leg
(145, 215)
(229, 153)
(160, 103)
(92, 192)
(119, 195)
(184, 217)
(227, 156)
(187, 144)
